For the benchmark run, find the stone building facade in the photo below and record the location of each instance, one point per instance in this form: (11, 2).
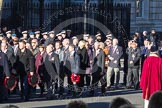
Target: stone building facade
(145, 14)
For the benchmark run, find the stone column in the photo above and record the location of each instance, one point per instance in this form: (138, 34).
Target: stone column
(1, 4)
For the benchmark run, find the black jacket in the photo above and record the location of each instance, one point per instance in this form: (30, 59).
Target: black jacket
(133, 55)
(84, 58)
(52, 65)
(11, 59)
(98, 63)
(4, 68)
(25, 62)
(116, 54)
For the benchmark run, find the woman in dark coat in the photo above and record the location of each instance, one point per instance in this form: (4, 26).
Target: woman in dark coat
(89, 68)
(84, 61)
(40, 69)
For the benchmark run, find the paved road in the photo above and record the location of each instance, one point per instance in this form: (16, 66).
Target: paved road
(93, 102)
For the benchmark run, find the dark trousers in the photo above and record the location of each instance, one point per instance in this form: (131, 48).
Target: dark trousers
(61, 83)
(41, 85)
(125, 69)
(133, 76)
(95, 81)
(61, 79)
(81, 82)
(88, 79)
(25, 87)
(51, 89)
(3, 93)
(112, 79)
(69, 79)
(142, 61)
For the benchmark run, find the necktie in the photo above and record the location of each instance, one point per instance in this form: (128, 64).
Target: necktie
(145, 50)
(113, 49)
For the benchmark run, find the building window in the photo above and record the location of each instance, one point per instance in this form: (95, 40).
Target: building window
(138, 8)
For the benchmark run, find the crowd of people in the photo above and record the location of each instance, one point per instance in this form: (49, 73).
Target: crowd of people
(84, 60)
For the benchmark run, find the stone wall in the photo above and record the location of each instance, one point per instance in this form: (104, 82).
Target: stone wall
(151, 15)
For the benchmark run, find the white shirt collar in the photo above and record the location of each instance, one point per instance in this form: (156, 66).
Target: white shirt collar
(5, 51)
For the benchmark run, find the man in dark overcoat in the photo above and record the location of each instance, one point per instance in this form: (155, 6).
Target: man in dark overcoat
(24, 66)
(4, 72)
(52, 65)
(98, 68)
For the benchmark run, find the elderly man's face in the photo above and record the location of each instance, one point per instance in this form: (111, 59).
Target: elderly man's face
(57, 46)
(21, 45)
(134, 45)
(3, 46)
(153, 32)
(90, 41)
(146, 42)
(96, 46)
(71, 48)
(49, 49)
(34, 43)
(75, 41)
(85, 38)
(115, 42)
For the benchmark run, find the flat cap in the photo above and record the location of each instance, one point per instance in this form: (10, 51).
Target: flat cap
(68, 30)
(24, 32)
(59, 34)
(63, 32)
(8, 32)
(45, 33)
(51, 32)
(86, 35)
(74, 37)
(99, 34)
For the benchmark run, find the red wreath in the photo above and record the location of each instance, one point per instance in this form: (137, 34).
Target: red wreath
(29, 79)
(14, 85)
(75, 78)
